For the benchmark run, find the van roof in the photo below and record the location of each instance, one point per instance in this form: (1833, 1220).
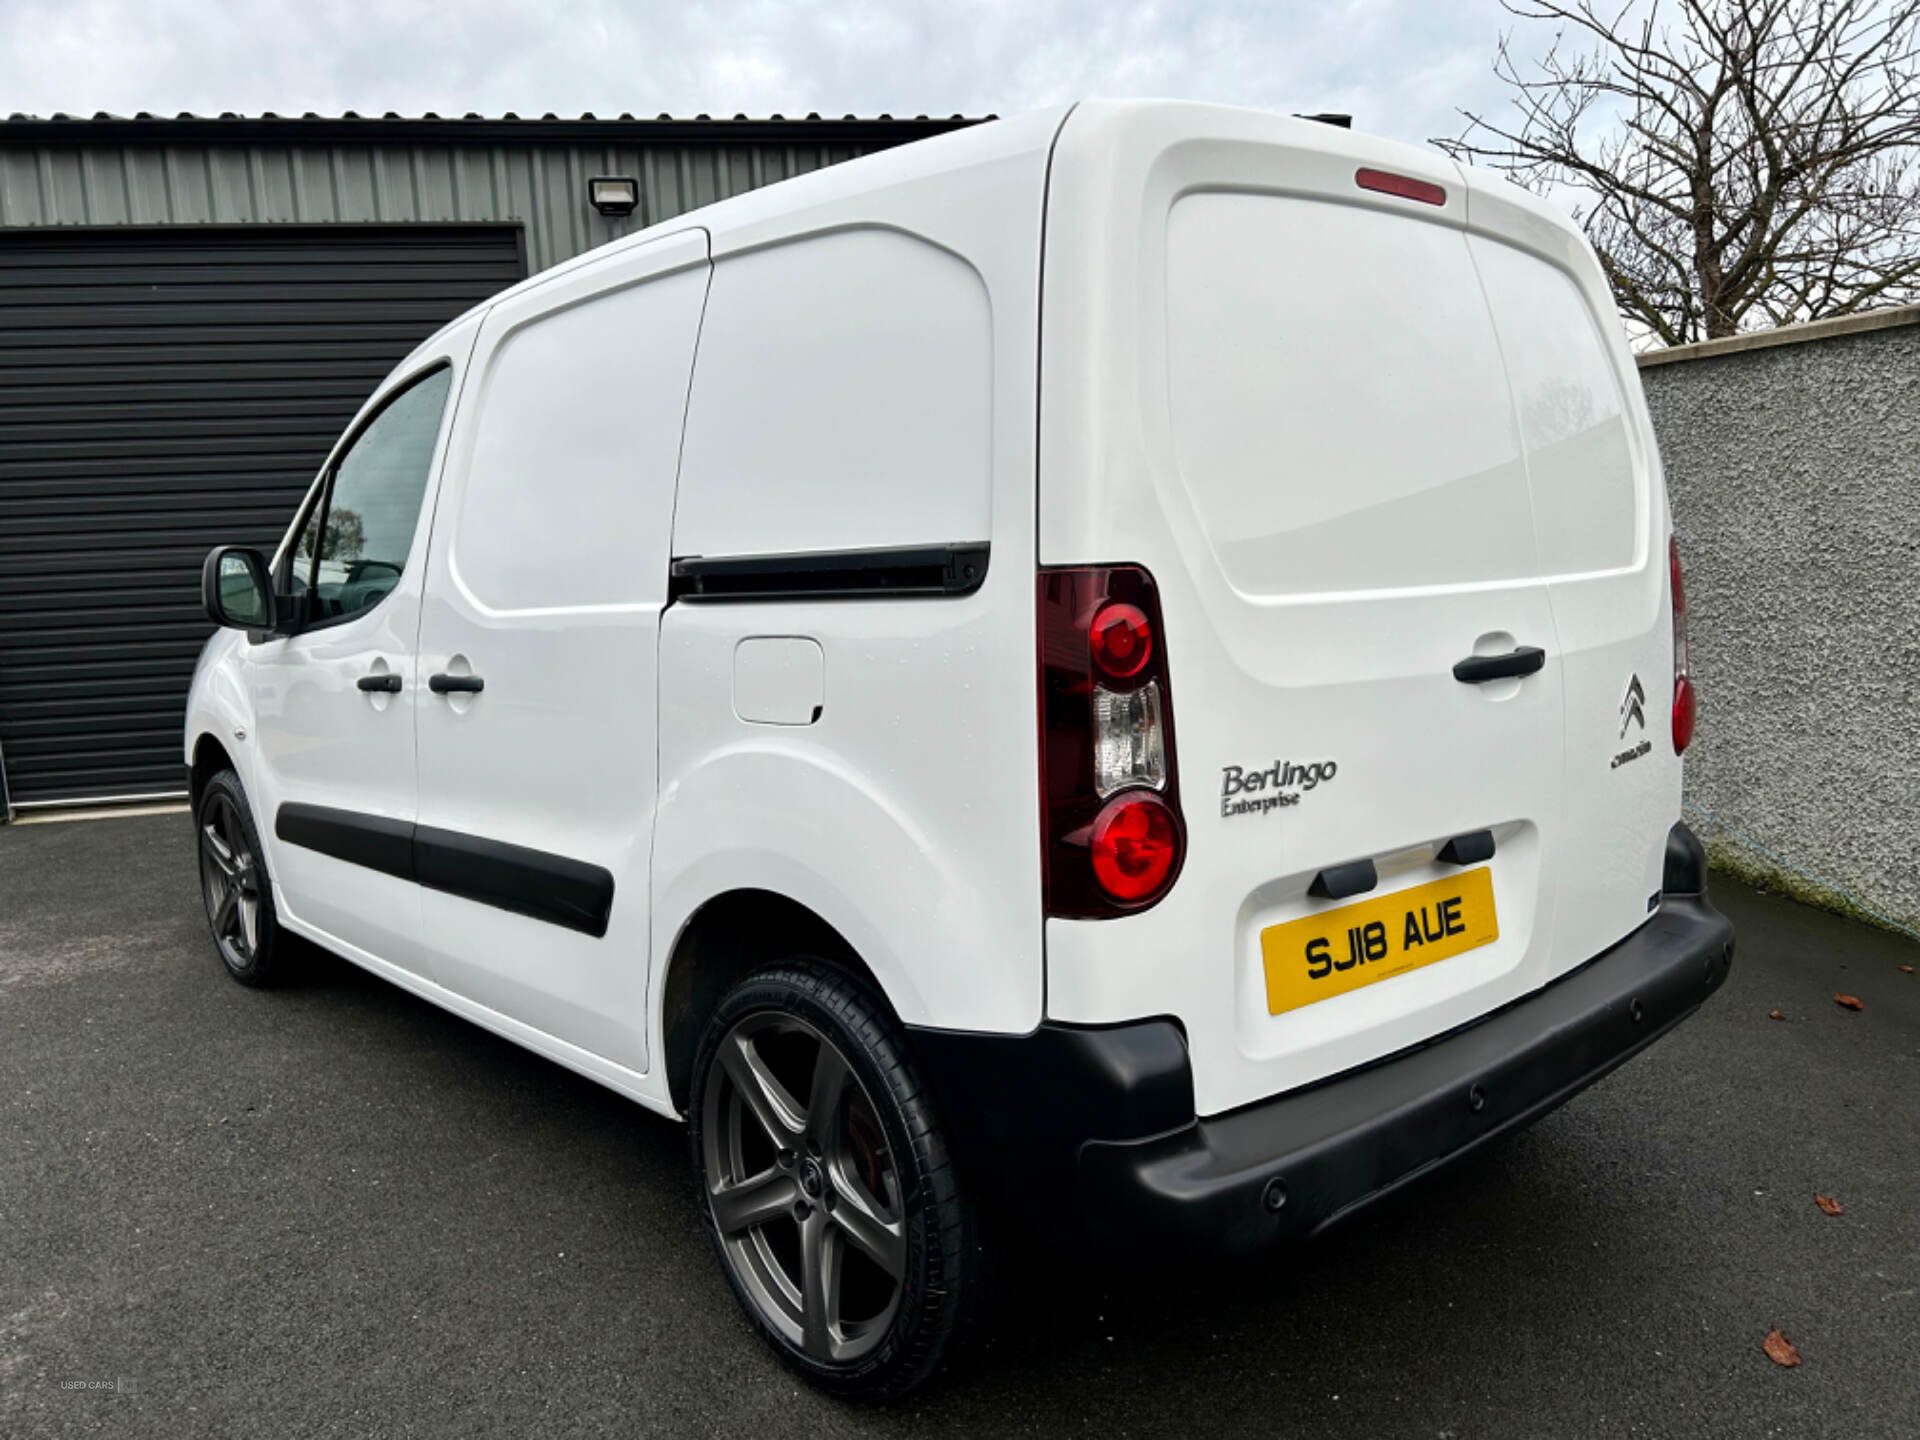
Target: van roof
(858, 191)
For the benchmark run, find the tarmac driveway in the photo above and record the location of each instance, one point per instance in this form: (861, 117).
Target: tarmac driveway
(335, 1210)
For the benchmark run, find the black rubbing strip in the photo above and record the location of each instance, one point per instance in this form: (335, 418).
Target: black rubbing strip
(510, 877)
(551, 888)
(920, 571)
(370, 840)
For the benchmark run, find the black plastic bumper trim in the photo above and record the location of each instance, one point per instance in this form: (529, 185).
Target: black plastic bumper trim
(1018, 1106)
(1324, 1151)
(541, 886)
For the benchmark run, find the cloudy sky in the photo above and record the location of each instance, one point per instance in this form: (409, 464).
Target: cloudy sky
(1402, 67)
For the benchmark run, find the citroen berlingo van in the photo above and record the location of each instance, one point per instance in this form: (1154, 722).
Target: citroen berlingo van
(1129, 663)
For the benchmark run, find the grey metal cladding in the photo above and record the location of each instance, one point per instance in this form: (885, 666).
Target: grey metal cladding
(539, 185)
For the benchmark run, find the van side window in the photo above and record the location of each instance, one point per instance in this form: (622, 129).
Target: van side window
(569, 492)
(1585, 491)
(373, 502)
(841, 400)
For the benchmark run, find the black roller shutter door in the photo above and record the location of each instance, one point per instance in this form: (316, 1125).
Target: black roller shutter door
(163, 391)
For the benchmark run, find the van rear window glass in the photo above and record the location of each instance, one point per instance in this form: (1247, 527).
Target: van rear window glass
(1340, 413)
(1585, 484)
(841, 400)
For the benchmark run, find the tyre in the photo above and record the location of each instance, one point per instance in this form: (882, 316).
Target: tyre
(234, 884)
(826, 1183)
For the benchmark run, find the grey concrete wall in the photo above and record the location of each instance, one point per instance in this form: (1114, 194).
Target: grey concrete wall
(1795, 477)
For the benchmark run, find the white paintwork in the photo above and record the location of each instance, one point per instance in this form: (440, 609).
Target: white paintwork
(844, 400)
(313, 737)
(779, 680)
(908, 817)
(1288, 397)
(1607, 554)
(547, 580)
(1354, 438)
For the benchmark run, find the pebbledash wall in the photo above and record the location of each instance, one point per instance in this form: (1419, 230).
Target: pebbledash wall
(1793, 460)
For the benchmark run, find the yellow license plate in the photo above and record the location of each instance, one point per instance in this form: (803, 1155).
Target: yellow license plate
(1340, 950)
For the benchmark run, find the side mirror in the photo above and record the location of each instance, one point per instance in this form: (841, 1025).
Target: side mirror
(235, 589)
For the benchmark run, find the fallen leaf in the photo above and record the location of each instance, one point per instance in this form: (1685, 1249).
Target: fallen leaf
(1775, 1015)
(1829, 1204)
(1849, 1001)
(1780, 1349)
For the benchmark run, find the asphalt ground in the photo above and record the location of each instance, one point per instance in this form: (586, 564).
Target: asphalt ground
(336, 1210)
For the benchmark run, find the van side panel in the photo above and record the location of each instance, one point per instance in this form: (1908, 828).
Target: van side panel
(864, 417)
(866, 378)
(546, 579)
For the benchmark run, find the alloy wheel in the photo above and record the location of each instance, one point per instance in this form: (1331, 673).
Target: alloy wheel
(230, 881)
(804, 1192)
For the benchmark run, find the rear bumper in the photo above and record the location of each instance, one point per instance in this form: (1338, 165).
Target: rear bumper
(1108, 1114)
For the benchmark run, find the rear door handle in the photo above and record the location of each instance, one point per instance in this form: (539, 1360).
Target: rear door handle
(383, 684)
(1478, 669)
(455, 684)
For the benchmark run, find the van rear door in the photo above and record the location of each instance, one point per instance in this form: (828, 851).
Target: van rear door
(1600, 518)
(1271, 377)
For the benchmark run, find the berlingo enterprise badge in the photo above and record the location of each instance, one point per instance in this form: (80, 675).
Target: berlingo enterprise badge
(1281, 783)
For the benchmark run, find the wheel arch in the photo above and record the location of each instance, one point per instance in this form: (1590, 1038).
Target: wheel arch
(730, 936)
(210, 757)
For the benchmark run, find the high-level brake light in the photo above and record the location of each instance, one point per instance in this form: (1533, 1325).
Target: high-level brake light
(1405, 186)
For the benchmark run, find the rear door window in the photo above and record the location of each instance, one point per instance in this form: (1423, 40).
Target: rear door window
(1586, 490)
(1340, 415)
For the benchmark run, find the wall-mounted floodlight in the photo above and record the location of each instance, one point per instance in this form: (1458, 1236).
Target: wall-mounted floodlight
(614, 195)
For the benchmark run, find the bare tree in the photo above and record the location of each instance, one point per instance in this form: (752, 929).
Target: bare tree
(1736, 163)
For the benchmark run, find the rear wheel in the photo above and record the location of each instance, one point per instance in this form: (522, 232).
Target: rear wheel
(826, 1182)
(234, 884)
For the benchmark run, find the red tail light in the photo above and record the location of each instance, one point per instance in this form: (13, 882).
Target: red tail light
(1683, 699)
(1110, 800)
(1135, 842)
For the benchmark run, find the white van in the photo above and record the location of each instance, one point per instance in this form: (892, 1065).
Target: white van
(1130, 658)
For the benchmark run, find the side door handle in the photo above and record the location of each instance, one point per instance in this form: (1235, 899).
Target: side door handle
(1478, 669)
(444, 684)
(387, 683)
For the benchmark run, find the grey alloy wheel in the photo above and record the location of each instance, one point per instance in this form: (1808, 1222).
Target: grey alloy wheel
(806, 1198)
(230, 877)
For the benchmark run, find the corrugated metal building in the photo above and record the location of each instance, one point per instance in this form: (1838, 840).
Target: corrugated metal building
(191, 309)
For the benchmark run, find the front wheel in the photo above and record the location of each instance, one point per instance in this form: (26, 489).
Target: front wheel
(234, 884)
(827, 1186)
